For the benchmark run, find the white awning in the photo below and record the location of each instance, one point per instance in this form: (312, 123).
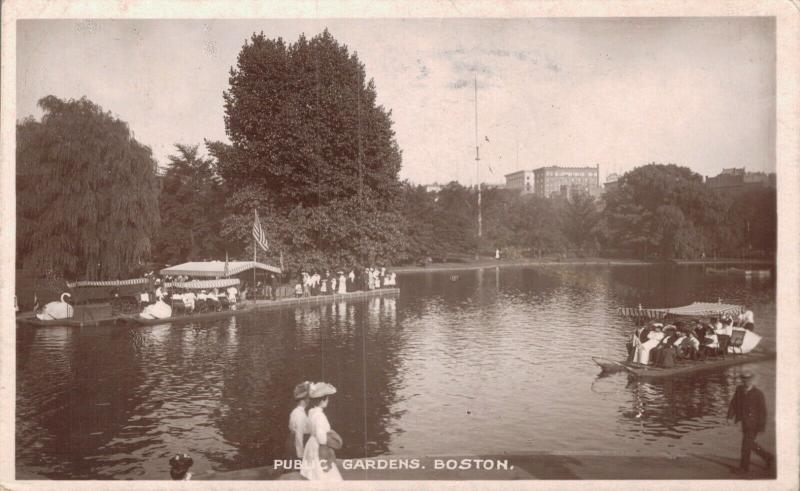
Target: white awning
(696, 309)
(216, 269)
(203, 284)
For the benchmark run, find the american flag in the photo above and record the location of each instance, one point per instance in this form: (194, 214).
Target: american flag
(258, 233)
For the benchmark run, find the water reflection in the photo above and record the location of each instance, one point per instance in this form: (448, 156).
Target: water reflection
(495, 361)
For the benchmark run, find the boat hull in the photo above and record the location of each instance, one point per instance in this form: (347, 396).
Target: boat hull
(683, 366)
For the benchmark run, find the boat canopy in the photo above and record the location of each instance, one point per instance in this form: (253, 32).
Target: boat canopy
(134, 281)
(696, 309)
(216, 269)
(203, 284)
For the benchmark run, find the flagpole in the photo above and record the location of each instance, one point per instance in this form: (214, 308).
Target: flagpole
(255, 290)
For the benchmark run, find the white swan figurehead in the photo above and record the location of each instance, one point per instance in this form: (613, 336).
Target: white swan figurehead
(57, 310)
(159, 310)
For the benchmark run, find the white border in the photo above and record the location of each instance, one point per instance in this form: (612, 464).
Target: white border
(787, 13)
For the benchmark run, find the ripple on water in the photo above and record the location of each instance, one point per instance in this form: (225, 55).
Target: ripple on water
(498, 361)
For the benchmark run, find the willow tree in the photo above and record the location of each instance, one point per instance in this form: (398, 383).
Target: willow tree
(87, 192)
(311, 148)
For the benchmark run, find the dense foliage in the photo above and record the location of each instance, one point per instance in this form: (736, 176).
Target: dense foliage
(87, 194)
(313, 151)
(656, 211)
(667, 211)
(192, 204)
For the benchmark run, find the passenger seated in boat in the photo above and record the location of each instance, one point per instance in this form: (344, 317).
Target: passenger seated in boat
(642, 354)
(189, 299)
(710, 343)
(232, 297)
(201, 301)
(212, 300)
(748, 321)
(724, 333)
(670, 335)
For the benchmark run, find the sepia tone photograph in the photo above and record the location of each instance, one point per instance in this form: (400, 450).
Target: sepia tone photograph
(471, 248)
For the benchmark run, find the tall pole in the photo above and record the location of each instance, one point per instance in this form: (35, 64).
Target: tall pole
(255, 290)
(477, 170)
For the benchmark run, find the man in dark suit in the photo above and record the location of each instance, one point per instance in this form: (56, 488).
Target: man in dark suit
(749, 407)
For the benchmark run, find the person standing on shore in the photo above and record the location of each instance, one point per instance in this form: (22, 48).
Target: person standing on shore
(299, 425)
(273, 279)
(316, 468)
(749, 407)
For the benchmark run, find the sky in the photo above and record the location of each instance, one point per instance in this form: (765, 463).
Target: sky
(618, 92)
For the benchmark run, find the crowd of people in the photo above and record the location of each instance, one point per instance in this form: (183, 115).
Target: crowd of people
(339, 282)
(156, 301)
(663, 345)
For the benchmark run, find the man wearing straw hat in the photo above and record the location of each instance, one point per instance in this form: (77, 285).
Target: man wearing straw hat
(748, 406)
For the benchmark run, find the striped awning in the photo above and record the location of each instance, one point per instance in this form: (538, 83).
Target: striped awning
(203, 284)
(216, 269)
(696, 309)
(134, 281)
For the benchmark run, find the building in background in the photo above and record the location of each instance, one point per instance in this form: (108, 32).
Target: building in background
(522, 180)
(738, 179)
(564, 181)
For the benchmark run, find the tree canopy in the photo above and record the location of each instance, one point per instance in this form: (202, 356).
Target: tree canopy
(192, 204)
(87, 194)
(312, 150)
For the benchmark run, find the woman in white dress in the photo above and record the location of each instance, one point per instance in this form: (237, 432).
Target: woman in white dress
(642, 353)
(314, 468)
(342, 283)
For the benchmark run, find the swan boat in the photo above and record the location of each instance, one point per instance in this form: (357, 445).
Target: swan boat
(741, 348)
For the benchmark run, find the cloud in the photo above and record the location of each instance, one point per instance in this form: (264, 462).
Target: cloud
(458, 84)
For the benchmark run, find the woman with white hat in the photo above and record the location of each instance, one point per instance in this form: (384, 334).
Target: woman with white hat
(314, 468)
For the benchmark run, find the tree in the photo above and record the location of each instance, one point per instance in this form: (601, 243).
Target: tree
(309, 141)
(455, 221)
(87, 194)
(580, 220)
(537, 224)
(192, 208)
(665, 210)
(496, 207)
(418, 207)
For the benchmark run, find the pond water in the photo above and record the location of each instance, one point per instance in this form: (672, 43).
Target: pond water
(496, 361)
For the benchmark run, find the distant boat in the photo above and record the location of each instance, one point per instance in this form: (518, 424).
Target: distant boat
(762, 273)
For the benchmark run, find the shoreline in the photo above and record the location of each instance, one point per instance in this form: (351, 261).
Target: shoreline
(592, 261)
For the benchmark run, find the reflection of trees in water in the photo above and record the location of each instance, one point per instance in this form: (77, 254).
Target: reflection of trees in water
(338, 343)
(77, 399)
(673, 407)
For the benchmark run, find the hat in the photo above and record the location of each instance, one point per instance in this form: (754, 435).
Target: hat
(301, 390)
(179, 465)
(321, 389)
(746, 374)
